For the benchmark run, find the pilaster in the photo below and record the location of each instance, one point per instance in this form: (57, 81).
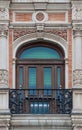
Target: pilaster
(77, 57)
(77, 64)
(4, 23)
(4, 91)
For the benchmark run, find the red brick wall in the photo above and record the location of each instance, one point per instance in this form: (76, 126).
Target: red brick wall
(11, 15)
(70, 58)
(56, 16)
(23, 17)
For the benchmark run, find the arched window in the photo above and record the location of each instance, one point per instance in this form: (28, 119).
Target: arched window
(40, 70)
(40, 66)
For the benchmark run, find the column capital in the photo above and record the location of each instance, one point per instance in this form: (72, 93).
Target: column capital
(77, 33)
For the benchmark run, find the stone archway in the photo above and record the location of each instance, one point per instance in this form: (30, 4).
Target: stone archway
(57, 40)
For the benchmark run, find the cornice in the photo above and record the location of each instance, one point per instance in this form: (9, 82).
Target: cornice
(40, 6)
(32, 121)
(45, 25)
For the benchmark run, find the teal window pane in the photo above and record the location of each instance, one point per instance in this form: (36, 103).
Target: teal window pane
(40, 53)
(32, 79)
(21, 77)
(58, 81)
(47, 80)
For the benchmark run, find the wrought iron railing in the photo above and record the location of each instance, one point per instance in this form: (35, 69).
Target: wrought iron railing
(40, 101)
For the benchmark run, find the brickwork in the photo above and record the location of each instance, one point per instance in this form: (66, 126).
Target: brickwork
(70, 51)
(70, 58)
(70, 16)
(23, 17)
(11, 15)
(56, 16)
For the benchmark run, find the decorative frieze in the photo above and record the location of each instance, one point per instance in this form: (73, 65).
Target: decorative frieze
(77, 77)
(21, 32)
(61, 33)
(3, 77)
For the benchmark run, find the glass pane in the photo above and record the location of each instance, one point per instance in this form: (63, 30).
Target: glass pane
(58, 80)
(39, 107)
(47, 80)
(40, 53)
(32, 79)
(21, 86)
(21, 77)
(59, 77)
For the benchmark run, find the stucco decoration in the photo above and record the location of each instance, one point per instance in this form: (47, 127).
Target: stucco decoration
(37, 36)
(76, 12)
(3, 77)
(4, 14)
(77, 77)
(21, 32)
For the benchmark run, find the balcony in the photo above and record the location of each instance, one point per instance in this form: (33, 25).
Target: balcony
(40, 101)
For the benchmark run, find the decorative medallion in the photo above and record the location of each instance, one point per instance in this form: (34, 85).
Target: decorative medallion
(40, 16)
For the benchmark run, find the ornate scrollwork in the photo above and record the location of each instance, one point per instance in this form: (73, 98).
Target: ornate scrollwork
(58, 101)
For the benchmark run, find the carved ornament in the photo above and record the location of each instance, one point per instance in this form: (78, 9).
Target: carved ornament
(4, 77)
(77, 77)
(76, 12)
(22, 32)
(4, 14)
